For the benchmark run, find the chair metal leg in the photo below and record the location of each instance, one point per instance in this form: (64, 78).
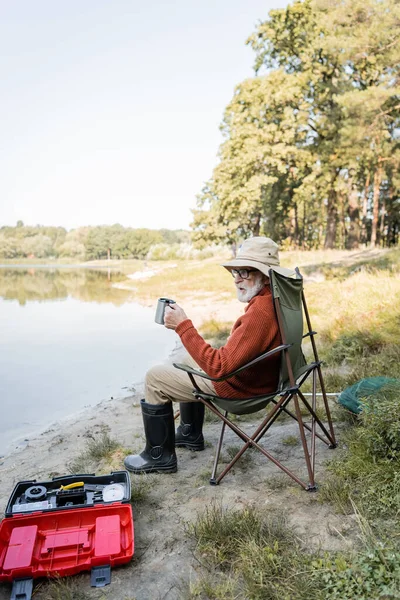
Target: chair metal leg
(314, 415)
(327, 409)
(213, 480)
(304, 442)
(313, 420)
(250, 441)
(318, 435)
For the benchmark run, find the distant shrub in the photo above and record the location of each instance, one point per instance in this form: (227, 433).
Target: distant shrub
(181, 252)
(215, 332)
(351, 346)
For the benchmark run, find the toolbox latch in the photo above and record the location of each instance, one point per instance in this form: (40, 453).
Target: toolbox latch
(100, 576)
(22, 589)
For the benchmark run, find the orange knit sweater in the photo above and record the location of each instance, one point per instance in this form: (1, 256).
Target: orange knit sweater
(255, 332)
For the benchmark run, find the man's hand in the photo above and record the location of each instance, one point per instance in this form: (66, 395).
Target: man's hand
(173, 315)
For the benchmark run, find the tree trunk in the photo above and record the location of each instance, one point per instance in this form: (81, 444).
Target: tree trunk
(353, 236)
(256, 221)
(343, 229)
(382, 223)
(294, 226)
(389, 223)
(375, 206)
(364, 209)
(331, 220)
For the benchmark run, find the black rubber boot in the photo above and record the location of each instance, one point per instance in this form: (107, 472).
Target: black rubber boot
(189, 433)
(159, 453)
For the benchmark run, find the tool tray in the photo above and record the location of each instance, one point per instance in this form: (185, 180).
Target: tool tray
(32, 496)
(64, 526)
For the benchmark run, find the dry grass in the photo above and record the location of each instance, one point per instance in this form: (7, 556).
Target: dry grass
(245, 554)
(100, 454)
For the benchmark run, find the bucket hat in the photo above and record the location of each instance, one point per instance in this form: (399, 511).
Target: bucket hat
(262, 254)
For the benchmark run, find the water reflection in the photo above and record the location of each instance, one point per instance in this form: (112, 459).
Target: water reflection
(86, 285)
(68, 339)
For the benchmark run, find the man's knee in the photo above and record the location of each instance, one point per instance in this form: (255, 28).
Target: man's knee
(155, 374)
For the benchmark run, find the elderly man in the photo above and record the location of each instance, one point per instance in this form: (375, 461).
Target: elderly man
(255, 332)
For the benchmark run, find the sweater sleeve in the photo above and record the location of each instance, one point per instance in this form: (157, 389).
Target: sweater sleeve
(251, 335)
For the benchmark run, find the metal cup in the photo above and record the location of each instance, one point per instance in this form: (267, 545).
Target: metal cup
(160, 310)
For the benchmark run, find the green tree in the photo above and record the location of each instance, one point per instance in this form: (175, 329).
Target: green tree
(311, 148)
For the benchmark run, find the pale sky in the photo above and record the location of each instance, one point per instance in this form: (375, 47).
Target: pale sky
(110, 110)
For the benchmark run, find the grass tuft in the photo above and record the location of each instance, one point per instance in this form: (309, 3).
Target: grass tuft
(247, 555)
(141, 487)
(98, 448)
(244, 461)
(69, 588)
(291, 440)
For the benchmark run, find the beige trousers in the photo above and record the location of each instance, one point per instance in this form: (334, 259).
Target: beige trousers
(165, 383)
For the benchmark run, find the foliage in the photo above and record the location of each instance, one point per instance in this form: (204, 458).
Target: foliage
(249, 556)
(119, 242)
(311, 151)
(103, 242)
(380, 420)
(368, 469)
(372, 573)
(24, 241)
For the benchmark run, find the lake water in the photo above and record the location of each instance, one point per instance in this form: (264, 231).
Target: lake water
(69, 339)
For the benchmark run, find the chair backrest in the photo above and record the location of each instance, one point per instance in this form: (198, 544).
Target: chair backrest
(287, 291)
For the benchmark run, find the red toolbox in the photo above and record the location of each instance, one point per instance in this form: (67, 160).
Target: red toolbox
(64, 526)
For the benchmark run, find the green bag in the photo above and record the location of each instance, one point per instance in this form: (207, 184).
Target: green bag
(350, 397)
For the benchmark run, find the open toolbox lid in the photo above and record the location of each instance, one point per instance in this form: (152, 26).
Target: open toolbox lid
(83, 533)
(68, 492)
(65, 542)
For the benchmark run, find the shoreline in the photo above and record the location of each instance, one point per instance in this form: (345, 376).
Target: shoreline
(46, 454)
(222, 310)
(21, 442)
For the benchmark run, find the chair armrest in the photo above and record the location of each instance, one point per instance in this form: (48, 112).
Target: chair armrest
(263, 356)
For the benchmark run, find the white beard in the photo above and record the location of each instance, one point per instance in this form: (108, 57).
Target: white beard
(248, 293)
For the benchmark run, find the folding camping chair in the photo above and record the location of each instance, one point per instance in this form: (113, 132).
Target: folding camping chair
(289, 301)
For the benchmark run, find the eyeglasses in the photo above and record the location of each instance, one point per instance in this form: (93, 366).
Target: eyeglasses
(243, 273)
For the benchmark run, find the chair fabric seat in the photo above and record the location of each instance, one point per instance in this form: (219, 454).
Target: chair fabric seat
(238, 406)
